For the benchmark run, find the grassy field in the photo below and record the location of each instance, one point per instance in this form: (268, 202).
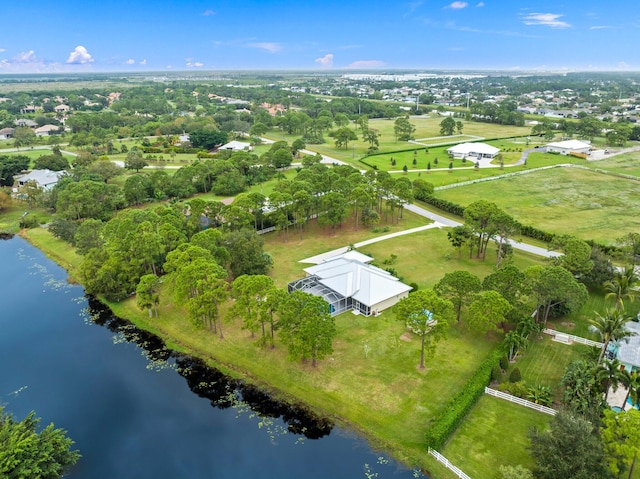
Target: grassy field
(426, 127)
(494, 433)
(601, 207)
(626, 164)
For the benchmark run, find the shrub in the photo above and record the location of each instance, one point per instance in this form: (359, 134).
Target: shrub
(519, 389)
(504, 362)
(515, 376)
(496, 373)
(29, 221)
(459, 405)
(414, 287)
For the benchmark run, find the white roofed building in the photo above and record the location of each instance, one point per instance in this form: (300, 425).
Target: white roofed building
(44, 178)
(236, 146)
(569, 146)
(473, 150)
(347, 282)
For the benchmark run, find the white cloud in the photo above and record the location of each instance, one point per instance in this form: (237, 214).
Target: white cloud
(367, 64)
(143, 62)
(208, 13)
(412, 7)
(480, 4)
(79, 56)
(458, 5)
(193, 64)
(600, 27)
(546, 19)
(270, 47)
(325, 61)
(3, 50)
(25, 57)
(130, 61)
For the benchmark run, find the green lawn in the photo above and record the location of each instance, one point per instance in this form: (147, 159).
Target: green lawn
(494, 433)
(545, 361)
(626, 164)
(600, 207)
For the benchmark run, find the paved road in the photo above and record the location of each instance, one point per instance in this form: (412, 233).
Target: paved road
(452, 223)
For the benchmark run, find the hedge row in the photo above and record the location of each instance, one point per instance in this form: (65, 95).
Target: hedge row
(445, 205)
(457, 408)
(177, 149)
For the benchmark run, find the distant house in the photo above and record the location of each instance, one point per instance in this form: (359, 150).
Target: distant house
(236, 146)
(473, 150)
(569, 146)
(47, 130)
(24, 122)
(347, 282)
(61, 108)
(44, 178)
(7, 133)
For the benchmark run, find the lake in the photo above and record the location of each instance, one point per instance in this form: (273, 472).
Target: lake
(138, 410)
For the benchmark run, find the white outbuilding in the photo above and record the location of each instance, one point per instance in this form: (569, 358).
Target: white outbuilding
(569, 146)
(473, 150)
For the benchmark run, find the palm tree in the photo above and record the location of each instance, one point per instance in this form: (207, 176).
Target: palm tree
(631, 381)
(609, 375)
(623, 286)
(611, 327)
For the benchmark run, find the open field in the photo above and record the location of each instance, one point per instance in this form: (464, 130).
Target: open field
(599, 207)
(494, 433)
(626, 164)
(316, 240)
(426, 127)
(425, 257)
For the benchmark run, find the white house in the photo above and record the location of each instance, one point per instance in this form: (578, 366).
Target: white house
(45, 179)
(346, 282)
(473, 150)
(569, 146)
(7, 133)
(47, 130)
(236, 146)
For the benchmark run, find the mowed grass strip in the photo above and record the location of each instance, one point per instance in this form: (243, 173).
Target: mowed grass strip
(586, 204)
(493, 434)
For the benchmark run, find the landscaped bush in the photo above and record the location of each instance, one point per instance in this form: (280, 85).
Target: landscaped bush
(457, 408)
(504, 362)
(519, 389)
(515, 376)
(29, 221)
(496, 373)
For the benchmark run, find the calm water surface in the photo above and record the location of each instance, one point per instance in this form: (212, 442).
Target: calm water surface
(136, 410)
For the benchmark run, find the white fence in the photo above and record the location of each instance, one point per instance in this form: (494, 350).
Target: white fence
(520, 401)
(572, 338)
(447, 464)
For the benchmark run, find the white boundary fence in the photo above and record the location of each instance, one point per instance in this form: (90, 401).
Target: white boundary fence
(572, 338)
(443, 460)
(520, 401)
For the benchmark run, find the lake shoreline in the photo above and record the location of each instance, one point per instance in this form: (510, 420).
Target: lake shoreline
(425, 464)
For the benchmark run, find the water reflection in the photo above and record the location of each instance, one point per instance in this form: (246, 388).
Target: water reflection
(222, 391)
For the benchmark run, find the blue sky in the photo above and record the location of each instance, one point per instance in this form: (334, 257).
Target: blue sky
(172, 35)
